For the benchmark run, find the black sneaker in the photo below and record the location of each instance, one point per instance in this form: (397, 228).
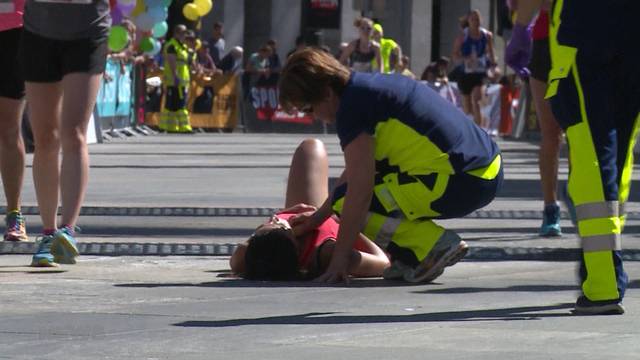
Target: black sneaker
(585, 306)
(447, 251)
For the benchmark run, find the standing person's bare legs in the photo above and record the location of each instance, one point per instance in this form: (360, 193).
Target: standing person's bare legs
(308, 175)
(476, 98)
(11, 150)
(548, 158)
(12, 158)
(80, 91)
(45, 100)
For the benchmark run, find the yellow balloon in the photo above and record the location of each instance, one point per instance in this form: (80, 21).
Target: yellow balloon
(190, 11)
(139, 9)
(204, 6)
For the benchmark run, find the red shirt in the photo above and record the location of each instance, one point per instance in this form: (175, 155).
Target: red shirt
(541, 26)
(326, 231)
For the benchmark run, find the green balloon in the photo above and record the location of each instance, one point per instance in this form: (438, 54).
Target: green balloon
(146, 44)
(118, 38)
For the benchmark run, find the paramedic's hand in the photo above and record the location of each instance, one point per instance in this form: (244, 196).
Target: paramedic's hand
(338, 270)
(305, 221)
(518, 52)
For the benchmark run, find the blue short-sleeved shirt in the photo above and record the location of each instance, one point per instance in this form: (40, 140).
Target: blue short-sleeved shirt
(415, 129)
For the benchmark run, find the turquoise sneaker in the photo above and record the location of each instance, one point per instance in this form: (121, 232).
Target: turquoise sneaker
(551, 221)
(64, 246)
(43, 257)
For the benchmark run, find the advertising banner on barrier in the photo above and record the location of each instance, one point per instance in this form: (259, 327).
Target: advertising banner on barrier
(114, 100)
(262, 112)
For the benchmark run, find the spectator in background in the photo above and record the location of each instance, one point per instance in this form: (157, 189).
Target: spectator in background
(475, 48)
(217, 43)
(232, 62)
(274, 60)
(258, 63)
(341, 49)
(63, 52)
(175, 116)
(402, 67)
(389, 50)
(430, 73)
(361, 53)
(12, 151)
(300, 44)
(205, 63)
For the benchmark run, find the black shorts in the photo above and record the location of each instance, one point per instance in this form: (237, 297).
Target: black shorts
(540, 63)
(468, 81)
(49, 60)
(176, 98)
(11, 82)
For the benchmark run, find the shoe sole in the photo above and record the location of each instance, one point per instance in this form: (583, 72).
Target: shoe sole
(609, 309)
(63, 251)
(16, 238)
(43, 263)
(448, 259)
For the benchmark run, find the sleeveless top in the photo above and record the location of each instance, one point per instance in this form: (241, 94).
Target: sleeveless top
(328, 230)
(474, 52)
(541, 26)
(361, 61)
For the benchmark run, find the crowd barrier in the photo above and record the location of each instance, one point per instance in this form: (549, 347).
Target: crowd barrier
(227, 102)
(120, 101)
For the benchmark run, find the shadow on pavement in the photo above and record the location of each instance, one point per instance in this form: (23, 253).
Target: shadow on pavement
(324, 318)
(234, 282)
(634, 284)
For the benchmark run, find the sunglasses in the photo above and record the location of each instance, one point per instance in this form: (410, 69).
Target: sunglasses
(279, 224)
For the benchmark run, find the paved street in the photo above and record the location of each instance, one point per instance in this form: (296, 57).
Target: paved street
(173, 207)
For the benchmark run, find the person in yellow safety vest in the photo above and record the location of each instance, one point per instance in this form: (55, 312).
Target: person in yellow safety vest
(410, 158)
(175, 116)
(594, 90)
(390, 51)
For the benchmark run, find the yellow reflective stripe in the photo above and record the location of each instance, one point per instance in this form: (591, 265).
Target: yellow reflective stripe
(599, 226)
(603, 209)
(606, 242)
(419, 236)
(585, 181)
(337, 205)
(625, 178)
(600, 283)
(411, 151)
(488, 172)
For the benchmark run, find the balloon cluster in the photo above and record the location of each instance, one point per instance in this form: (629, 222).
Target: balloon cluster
(196, 9)
(150, 17)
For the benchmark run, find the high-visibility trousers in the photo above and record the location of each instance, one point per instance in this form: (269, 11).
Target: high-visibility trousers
(174, 117)
(595, 96)
(409, 237)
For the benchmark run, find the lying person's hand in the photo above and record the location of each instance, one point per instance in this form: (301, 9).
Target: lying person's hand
(299, 208)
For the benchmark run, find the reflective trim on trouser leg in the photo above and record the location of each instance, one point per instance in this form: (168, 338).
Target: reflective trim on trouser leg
(601, 209)
(596, 243)
(182, 119)
(586, 187)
